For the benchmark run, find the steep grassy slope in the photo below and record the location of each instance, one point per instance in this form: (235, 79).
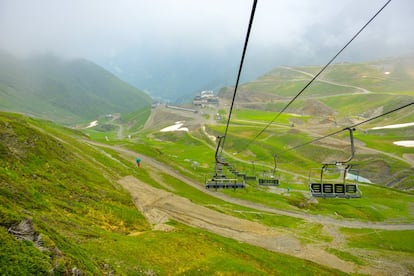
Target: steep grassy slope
(64, 196)
(388, 75)
(375, 82)
(62, 212)
(64, 91)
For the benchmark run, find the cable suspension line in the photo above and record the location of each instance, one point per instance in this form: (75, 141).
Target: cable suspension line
(347, 128)
(239, 73)
(317, 75)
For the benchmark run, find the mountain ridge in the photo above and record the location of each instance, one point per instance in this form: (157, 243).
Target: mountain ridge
(66, 91)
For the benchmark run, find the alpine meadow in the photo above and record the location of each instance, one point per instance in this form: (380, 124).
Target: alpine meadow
(136, 141)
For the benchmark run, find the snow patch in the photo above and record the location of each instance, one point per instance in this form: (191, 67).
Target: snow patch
(177, 127)
(395, 126)
(211, 137)
(358, 178)
(295, 115)
(92, 124)
(408, 143)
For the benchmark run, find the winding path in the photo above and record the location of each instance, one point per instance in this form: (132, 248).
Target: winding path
(363, 90)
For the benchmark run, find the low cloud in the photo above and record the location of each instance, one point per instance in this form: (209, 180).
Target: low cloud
(95, 28)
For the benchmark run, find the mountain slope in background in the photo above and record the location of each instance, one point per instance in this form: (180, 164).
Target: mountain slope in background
(344, 95)
(346, 88)
(64, 91)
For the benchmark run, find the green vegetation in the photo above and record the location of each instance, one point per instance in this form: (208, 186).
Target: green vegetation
(287, 89)
(362, 104)
(258, 116)
(175, 253)
(21, 257)
(181, 150)
(67, 189)
(60, 187)
(135, 120)
(384, 240)
(346, 256)
(89, 224)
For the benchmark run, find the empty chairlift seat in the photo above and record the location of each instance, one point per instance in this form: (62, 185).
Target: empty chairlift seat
(351, 188)
(333, 172)
(224, 183)
(268, 181)
(352, 191)
(339, 189)
(316, 188)
(250, 177)
(327, 188)
(334, 190)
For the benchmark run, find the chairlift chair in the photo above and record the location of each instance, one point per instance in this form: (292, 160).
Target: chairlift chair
(327, 186)
(269, 178)
(253, 175)
(220, 180)
(338, 188)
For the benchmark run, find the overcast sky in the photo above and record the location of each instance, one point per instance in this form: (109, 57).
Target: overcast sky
(99, 29)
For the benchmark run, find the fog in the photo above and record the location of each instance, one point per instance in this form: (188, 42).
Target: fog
(284, 32)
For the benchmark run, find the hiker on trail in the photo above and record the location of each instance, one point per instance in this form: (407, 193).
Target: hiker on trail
(138, 160)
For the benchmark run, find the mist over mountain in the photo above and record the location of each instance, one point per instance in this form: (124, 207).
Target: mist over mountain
(66, 91)
(177, 74)
(174, 74)
(175, 49)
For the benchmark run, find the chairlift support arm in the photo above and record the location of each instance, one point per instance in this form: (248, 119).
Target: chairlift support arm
(322, 170)
(275, 160)
(351, 137)
(346, 170)
(219, 145)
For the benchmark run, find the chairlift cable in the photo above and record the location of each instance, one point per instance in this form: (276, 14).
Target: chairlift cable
(318, 74)
(349, 127)
(239, 73)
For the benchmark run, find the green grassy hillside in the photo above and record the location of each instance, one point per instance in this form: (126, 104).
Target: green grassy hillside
(344, 95)
(192, 154)
(63, 212)
(374, 83)
(64, 91)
